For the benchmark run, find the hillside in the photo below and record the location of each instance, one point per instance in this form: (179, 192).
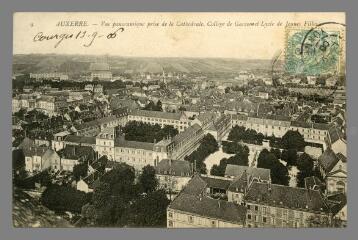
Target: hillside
(80, 63)
(28, 212)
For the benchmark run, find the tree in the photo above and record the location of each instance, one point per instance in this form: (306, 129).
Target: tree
(293, 140)
(207, 147)
(218, 170)
(88, 213)
(305, 163)
(18, 160)
(277, 152)
(148, 180)
(101, 195)
(149, 211)
(80, 170)
(63, 198)
(279, 173)
(305, 166)
(158, 106)
(182, 108)
(290, 156)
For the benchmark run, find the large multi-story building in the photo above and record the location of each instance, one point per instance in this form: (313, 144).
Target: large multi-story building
(272, 205)
(196, 207)
(216, 125)
(178, 120)
(49, 76)
(100, 71)
(38, 158)
(185, 142)
(333, 168)
(272, 125)
(173, 175)
(209, 201)
(136, 154)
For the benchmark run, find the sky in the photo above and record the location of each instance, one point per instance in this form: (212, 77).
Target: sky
(210, 40)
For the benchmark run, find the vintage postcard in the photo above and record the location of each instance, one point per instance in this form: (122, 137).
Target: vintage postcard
(179, 120)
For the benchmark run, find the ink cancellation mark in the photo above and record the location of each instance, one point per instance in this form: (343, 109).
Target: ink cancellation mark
(314, 51)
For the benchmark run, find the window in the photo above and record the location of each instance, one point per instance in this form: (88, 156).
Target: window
(170, 215)
(170, 223)
(256, 208)
(191, 219)
(264, 210)
(213, 224)
(249, 216)
(264, 219)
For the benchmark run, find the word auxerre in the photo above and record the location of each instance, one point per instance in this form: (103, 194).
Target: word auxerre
(72, 24)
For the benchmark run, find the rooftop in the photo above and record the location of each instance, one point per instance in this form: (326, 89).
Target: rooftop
(156, 114)
(286, 197)
(174, 167)
(237, 171)
(192, 200)
(120, 142)
(328, 160)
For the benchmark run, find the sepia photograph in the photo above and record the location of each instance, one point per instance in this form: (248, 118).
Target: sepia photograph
(179, 120)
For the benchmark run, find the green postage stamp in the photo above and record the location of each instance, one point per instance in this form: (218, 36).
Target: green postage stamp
(315, 51)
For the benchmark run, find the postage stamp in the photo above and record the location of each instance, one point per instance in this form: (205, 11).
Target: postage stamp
(315, 51)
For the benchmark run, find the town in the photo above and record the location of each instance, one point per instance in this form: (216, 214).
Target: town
(104, 141)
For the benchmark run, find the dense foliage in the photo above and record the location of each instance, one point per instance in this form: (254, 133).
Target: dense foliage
(293, 140)
(154, 107)
(118, 200)
(63, 198)
(145, 132)
(207, 147)
(250, 136)
(241, 157)
(279, 172)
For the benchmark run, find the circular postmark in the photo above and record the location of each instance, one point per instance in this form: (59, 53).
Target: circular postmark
(315, 51)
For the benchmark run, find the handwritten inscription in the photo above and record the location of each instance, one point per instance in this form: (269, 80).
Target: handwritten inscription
(87, 37)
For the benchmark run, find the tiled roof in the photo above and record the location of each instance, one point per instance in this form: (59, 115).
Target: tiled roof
(80, 139)
(35, 151)
(286, 197)
(241, 117)
(50, 155)
(156, 114)
(237, 171)
(77, 152)
(192, 200)
(335, 134)
(312, 181)
(26, 143)
(240, 184)
(186, 133)
(174, 167)
(328, 160)
(217, 182)
(119, 142)
(208, 207)
(337, 202)
(206, 117)
(342, 157)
